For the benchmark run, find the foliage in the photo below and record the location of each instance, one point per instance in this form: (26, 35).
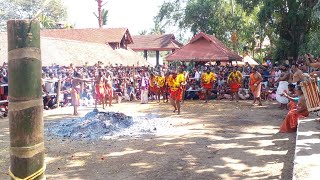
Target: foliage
(104, 16)
(289, 24)
(291, 21)
(219, 17)
(143, 32)
(52, 11)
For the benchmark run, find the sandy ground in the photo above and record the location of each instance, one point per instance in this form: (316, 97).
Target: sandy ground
(218, 140)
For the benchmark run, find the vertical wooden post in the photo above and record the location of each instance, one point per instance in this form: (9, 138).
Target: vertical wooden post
(146, 54)
(58, 93)
(157, 58)
(25, 103)
(134, 77)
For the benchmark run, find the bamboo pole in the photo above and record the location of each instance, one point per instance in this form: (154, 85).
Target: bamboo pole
(25, 99)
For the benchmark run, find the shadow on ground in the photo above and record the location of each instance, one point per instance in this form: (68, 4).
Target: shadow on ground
(219, 140)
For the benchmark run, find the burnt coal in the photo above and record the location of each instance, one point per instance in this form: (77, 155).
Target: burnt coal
(94, 125)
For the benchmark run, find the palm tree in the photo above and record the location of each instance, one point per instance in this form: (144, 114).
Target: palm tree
(104, 17)
(102, 13)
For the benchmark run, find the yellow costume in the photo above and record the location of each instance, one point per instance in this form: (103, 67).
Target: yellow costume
(235, 79)
(208, 78)
(181, 78)
(235, 76)
(160, 81)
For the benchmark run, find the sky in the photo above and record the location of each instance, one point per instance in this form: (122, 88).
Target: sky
(137, 15)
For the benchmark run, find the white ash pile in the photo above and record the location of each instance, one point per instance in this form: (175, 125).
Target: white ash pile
(94, 125)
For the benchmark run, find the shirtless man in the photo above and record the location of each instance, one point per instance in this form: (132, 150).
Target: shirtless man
(99, 89)
(283, 86)
(75, 92)
(312, 63)
(297, 74)
(108, 89)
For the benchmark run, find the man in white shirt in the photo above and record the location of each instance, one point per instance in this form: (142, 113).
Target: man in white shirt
(197, 75)
(50, 84)
(277, 73)
(144, 85)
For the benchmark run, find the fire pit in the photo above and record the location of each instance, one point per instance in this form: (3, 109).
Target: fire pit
(94, 125)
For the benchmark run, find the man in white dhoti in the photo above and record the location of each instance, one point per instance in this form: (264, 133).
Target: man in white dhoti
(283, 86)
(144, 86)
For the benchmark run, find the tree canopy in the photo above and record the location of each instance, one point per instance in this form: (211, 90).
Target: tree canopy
(290, 25)
(52, 12)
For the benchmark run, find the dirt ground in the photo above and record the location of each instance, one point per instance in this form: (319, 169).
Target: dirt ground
(218, 140)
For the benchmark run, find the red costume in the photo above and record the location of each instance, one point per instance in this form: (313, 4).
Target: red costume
(100, 91)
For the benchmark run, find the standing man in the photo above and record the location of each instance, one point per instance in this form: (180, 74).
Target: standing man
(100, 89)
(108, 89)
(160, 81)
(144, 86)
(207, 80)
(234, 81)
(255, 85)
(297, 74)
(75, 92)
(175, 82)
(283, 86)
(152, 86)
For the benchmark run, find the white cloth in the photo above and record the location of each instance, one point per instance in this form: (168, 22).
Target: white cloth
(49, 86)
(144, 96)
(197, 75)
(277, 75)
(245, 95)
(143, 82)
(283, 86)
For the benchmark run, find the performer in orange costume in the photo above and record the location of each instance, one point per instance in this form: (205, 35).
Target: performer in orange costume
(234, 81)
(152, 87)
(175, 82)
(99, 88)
(290, 123)
(255, 85)
(207, 80)
(108, 89)
(161, 89)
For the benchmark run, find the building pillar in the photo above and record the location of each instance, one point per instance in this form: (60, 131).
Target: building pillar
(157, 58)
(146, 54)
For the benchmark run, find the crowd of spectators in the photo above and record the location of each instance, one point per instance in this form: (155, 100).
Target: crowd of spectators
(126, 81)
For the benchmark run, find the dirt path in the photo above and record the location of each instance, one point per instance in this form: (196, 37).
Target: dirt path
(219, 140)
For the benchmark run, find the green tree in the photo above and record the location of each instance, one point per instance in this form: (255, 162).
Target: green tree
(143, 32)
(291, 21)
(20, 9)
(104, 16)
(46, 22)
(219, 17)
(158, 28)
(102, 13)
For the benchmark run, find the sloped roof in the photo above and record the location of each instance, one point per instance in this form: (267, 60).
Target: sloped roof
(203, 47)
(94, 35)
(165, 42)
(131, 57)
(63, 52)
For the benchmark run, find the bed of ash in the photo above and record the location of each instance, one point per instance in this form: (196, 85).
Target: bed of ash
(106, 125)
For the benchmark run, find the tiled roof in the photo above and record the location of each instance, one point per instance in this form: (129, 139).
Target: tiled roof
(94, 35)
(155, 42)
(63, 52)
(203, 47)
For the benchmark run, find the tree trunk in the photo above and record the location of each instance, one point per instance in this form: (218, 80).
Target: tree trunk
(99, 13)
(25, 98)
(294, 49)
